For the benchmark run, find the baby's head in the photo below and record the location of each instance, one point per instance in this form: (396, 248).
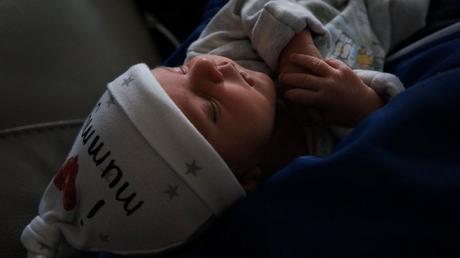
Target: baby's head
(153, 163)
(232, 107)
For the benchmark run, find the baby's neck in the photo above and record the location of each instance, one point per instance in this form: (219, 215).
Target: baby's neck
(287, 142)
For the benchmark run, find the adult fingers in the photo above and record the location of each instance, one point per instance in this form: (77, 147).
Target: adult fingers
(313, 64)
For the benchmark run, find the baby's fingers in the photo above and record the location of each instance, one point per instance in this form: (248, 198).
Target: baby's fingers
(337, 64)
(311, 63)
(301, 80)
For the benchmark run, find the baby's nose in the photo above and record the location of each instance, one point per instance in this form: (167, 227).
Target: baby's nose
(209, 70)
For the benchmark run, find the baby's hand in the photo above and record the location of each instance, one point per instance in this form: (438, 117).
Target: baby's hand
(330, 87)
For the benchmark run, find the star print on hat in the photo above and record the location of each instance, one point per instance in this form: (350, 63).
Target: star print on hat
(139, 179)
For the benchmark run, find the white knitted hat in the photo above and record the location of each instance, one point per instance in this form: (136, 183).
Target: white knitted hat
(139, 179)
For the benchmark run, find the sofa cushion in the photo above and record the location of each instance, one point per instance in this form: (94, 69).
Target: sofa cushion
(57, 56)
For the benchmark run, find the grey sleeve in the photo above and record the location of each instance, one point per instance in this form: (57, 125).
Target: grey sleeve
(251, 31)
(272, 26)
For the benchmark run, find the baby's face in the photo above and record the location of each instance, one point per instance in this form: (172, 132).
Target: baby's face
(232, 107)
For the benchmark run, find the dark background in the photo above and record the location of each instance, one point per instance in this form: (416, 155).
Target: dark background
(180, 17)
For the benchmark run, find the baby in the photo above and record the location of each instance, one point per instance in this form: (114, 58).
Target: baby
(161, 155)
(166, 151)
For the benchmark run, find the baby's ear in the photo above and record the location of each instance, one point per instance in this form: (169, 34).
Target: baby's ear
(251, 179)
